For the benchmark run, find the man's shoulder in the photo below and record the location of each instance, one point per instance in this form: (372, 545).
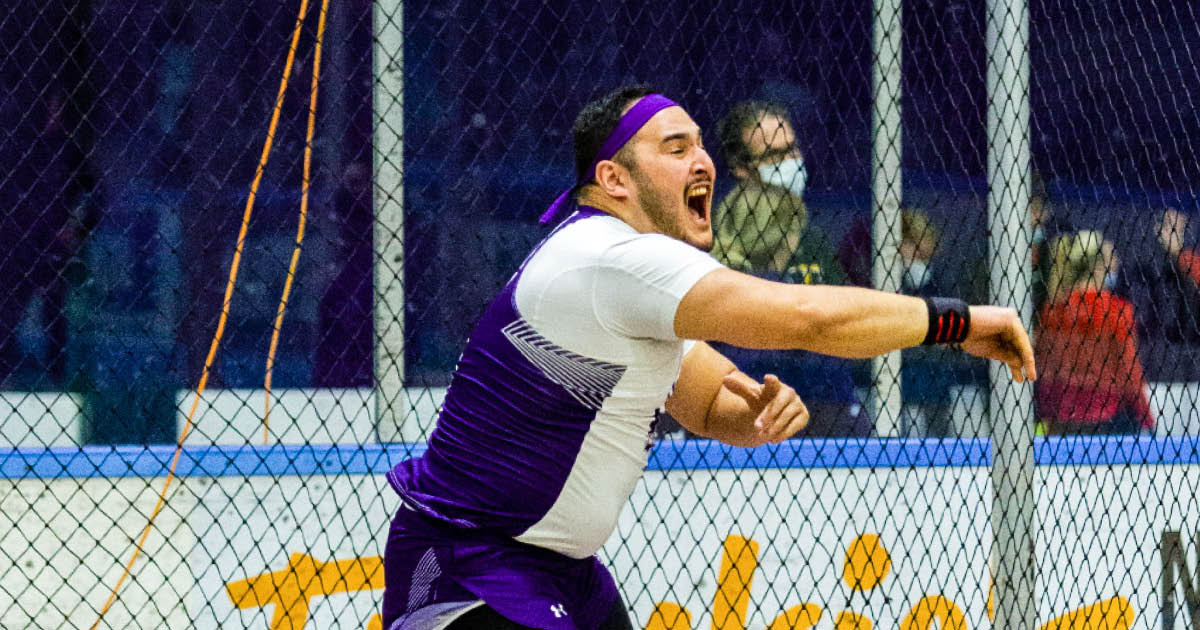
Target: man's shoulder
(589, 234)
(606, 241)
(597, 233)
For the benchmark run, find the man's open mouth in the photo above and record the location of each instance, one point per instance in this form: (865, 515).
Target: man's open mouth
(697, 197)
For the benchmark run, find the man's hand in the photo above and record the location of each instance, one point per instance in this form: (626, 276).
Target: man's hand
(780, 411)
(997, 333)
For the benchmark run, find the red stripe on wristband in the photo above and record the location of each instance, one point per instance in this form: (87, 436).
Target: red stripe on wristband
(949, 320)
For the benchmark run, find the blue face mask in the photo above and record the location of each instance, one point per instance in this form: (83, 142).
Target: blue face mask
(1110, 281)
(790, 175)
(917, 274)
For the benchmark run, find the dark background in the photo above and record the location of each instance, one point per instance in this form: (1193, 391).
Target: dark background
(132, 132)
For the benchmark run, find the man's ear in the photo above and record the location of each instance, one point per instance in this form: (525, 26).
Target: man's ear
(613, 179)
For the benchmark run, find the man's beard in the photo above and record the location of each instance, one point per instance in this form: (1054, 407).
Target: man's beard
(656, 204)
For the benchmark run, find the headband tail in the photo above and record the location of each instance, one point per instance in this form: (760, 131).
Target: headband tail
(556, 207)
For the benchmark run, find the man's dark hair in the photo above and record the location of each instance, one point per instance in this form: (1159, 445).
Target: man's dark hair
(732, 129)
(596, 122)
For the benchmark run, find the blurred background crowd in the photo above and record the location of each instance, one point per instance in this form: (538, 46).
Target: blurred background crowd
(131, 146)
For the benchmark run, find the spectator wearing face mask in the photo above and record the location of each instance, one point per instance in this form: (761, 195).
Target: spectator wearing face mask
(924, 380)
(1163, 281)
(919, 239)
(974, 277)
(762, 224)
(762, 228)
(1087, 346)
(927, 388)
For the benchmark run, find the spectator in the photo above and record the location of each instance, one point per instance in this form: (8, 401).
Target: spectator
(1092, 380)
(924, 380)
(919, 239)
(1163, 282)
(762, 227)
(1172, 228)
(1045, 225)
(854, 252)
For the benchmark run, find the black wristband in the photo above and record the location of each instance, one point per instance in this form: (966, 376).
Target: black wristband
(949, 320)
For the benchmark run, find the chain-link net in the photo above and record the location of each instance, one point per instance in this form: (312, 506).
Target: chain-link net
(166, 161)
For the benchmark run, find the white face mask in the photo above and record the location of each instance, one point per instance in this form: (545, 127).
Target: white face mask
(790, 175)
(917, 274)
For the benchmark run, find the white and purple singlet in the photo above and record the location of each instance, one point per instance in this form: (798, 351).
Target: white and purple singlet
(545, 428)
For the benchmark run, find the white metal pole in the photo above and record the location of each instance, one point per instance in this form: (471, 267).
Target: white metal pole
(1011, 404)
(388, 154)
(885, 207)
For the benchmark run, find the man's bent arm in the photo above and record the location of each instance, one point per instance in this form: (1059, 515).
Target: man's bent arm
(750, 312)
(705, 405)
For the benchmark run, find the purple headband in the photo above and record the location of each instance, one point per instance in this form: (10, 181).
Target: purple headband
(627, 127)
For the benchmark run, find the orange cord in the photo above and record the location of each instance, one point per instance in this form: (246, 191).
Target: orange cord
(291, 274)
(216, 342)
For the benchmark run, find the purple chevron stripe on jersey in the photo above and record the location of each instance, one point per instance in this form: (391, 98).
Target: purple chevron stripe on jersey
(511, 426)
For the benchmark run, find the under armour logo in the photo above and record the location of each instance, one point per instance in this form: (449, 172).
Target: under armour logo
(559, 610)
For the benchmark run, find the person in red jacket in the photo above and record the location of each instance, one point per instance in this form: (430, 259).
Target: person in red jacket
(1087, 346)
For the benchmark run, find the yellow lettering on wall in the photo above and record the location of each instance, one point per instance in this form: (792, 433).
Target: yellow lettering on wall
(991, 604)
(867, 563)
(291, 590)
(669, 616)
(376, 622)
(800, 617)
(847, 620)
(1110, 614)
(946, 612)
(739, 560)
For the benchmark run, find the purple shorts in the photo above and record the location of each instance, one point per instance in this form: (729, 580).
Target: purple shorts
(428, 564)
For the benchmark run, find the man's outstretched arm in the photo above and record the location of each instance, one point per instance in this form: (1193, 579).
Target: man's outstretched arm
(715, 400)
(851, 322)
